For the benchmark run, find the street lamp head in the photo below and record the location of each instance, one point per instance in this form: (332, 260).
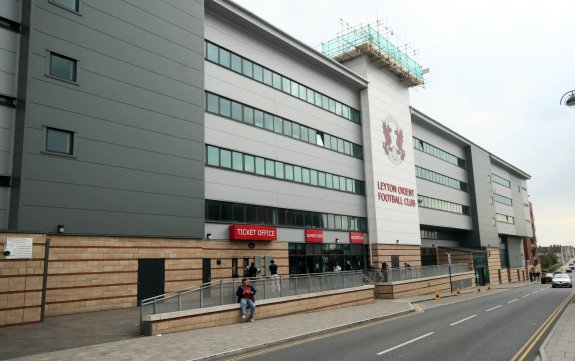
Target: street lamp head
(568, 99)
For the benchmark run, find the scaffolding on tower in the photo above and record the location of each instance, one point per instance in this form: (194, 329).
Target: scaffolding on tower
(370, 41)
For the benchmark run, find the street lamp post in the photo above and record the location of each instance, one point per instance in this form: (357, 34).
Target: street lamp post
(568, 99)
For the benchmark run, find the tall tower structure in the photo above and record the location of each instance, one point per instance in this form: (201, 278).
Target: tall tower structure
(387, 139)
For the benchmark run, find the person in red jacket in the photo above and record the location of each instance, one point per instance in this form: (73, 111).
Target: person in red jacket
(245, 294)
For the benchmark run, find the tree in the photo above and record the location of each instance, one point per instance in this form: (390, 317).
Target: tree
(548, 260)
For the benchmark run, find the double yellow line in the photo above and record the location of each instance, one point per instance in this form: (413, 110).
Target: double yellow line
(524, 351)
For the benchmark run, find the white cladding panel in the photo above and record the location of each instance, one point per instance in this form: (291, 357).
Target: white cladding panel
(237, 136)
(435, 164)
(238, 187)
(432, 217)
(226, 83)
(258, 190)
(268, 55)
(390, 178)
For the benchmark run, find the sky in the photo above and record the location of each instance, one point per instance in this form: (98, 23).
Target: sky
(497, 72)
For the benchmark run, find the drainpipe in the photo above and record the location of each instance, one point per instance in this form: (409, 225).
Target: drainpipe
(45, 279)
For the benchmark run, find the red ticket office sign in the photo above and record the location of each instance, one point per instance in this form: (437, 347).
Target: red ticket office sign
(356, 238)
(314, 236)
(246, 232)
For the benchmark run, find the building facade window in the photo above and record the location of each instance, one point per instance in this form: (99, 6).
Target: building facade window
(9, 24)
(440, 179)
(228, 212)
(258, 118)
(502, 199)
(504, 218)
(438, 153)
(440, 234)
(441, 205)
(63, 67)
(59, 141)
(318, 258)
(68, 4)
(7, 101)
(5, 181)
(500, 180)
(241, 162)
(223, 57)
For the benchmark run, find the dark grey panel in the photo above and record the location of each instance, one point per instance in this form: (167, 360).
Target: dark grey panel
(514, 250)
(70, 196)
(484, 232)
(69, 106)
(76, 172)
(137, 113)
(111, 223)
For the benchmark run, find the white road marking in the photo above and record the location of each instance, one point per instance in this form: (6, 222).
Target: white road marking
(527, 295)
(492, 308)
(517, 299)
(465, 319)
(405, 343)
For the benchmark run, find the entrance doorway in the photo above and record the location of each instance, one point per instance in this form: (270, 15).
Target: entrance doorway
(150, 278)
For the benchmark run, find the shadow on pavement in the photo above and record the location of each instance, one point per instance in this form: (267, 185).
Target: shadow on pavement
(69, 331)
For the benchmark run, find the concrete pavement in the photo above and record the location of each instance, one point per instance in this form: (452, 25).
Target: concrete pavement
(560, 343)
(113, 335)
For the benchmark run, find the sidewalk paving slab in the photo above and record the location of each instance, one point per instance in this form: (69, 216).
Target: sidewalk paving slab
(218, 342)
(114, 334)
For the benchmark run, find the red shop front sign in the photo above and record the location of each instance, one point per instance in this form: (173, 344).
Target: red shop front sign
(245, 232)
(356, 238)
(314, 236)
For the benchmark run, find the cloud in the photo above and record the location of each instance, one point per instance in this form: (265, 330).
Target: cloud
(498, 69)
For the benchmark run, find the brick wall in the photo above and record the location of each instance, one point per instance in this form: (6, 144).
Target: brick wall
(420, 287)
(96, 273)
(495, 266)
(228, 314)
(410, 254)
(21, 283)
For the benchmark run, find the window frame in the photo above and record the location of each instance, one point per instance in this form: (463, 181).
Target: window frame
(76, 9)
(73, 142)
(48, 73)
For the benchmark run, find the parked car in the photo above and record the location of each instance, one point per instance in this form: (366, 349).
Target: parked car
(568, 270)
(561, 280)
(547, 278)
(557, 272)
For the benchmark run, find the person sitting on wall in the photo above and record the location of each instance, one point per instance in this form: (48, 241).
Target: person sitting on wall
(245, 294)
(347, 266)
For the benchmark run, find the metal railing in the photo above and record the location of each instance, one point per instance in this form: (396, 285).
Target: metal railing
(223, 292)
(411, 273)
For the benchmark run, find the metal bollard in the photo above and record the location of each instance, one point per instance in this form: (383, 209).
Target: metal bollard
(201, 296)
(221, 292)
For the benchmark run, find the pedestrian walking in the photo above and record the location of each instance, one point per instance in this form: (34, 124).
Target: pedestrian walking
(347, 266)
(252, 271)
(276, 282)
